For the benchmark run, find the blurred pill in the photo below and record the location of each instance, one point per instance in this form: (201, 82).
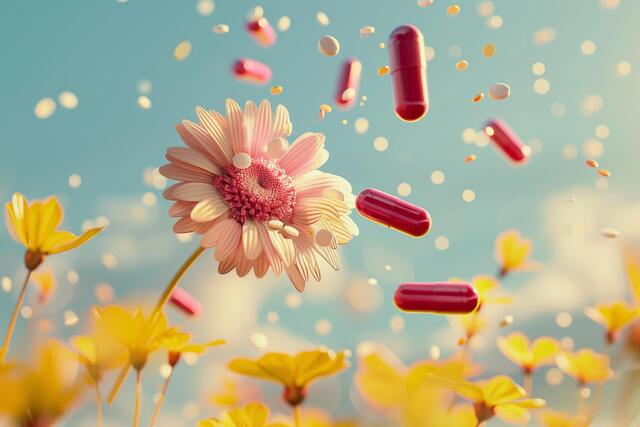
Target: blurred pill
(348, 83)
(499, 91)
(251, 71)
(409, 73)
(437, 297)
(367, 31)
(505, 139)
(393, 212)
(328, 46)
(185, 302)
(261, 31)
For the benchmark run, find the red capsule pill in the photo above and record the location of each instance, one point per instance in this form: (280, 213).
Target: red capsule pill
(438, 297)
(409, 73)
(348, 83)
(185, 302)
(393, 212)
(510, 144)
(261, 31)
(251, 71)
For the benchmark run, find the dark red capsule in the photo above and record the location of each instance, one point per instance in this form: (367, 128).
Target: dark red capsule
(393, 212)
(348, 83)
(262, 31)
(437, 297)
(185, 302)
(251, 71)
(510, 144)
(409, 73)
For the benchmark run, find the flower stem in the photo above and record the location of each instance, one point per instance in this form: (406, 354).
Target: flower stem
(98, 403)
(163, 393)
(528, 383)
(297, 422)
(136, 410)
(176, 279)
(14, 318)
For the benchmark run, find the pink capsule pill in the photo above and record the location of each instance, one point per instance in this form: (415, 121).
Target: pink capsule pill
(348, 83)
(393, 212)
(251, 71)
(409, 73)
(437, 297)
(185, 302)
(261, 31)
(510, 144)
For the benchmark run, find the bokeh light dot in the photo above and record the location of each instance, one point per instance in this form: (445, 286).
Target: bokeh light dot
(404, 189)
(442, 243)
(564, 319)
(437, 177)
(468, 195)
(381, 143)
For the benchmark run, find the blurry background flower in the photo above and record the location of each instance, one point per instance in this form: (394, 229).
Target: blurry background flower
(613, 317)
(585, 365)
(513, 252)
(260, 203)
(249, 415)
(499, 396)
(551, 418)
(528, 356)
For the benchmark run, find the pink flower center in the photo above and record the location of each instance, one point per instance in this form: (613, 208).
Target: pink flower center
(261, 192)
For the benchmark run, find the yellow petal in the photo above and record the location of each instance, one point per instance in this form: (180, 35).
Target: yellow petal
(560, 419)
(501, 389)
(585, 365)
(54, 247)
(251, 368)
(281, 366)
(252, 414)
(32, 221)
(515, 347)
(314, 364)
(512, 414)
(16, 211)
(50, 218)
(380, 379)
(484, 285)
(512, 250)
(544, 351)
(463, 388)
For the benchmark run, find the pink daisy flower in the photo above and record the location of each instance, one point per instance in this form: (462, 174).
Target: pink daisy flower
(260, 203)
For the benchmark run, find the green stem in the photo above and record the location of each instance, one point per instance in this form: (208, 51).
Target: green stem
(136, 410)
(163, 393)
(14, 317)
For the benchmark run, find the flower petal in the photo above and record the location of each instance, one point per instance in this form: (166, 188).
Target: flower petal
(189, 159)
(190, 191)
(173, 171)
(262, 129)
(512, 414)
(501, 389)
(251, 240)
(198, 138)
(281, 122)
(51, 246)
(15, 212)
(283, 247)
(305, 154)
(228, 238)
(214, 128)
(515, 347)
(209, 209)
(236, 133)
(274, 261)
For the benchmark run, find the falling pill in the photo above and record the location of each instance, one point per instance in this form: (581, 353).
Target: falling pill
(328, 46)
(499, 91)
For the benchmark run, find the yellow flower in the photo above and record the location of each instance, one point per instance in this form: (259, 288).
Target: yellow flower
(560, 419)
(528, 355)
(512, 252)
(250, 415)
(474, 323)
(35, 226)
(632, 266)
(499, 396)
(295, 373)
(613, 317)
(46, 283)
(585, 365)
(179, 343)
(40, 393)
(386, 383)
(98, 354)
(318, 418)
(138, 335)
